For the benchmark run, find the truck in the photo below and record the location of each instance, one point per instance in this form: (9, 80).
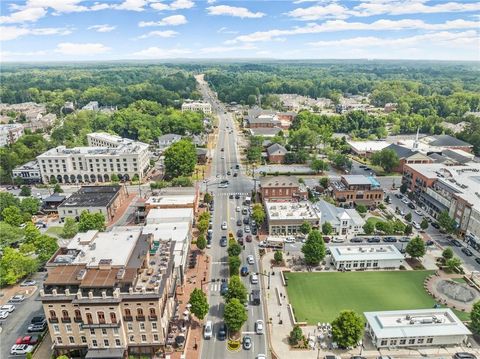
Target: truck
(255, 297)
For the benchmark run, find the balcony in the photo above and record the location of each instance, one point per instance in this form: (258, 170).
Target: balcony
(78, 320)
(100, 325)
(53, 320)
(140, 318)
(128, 318)
(66, 320)
(152, 317)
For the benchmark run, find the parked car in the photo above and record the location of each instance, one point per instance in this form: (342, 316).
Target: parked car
(404, 239)
(244, 211)
(247, 342)
(411, 205)
(477, 260)
(374, 240)
(399, 195)
(239, 233)
(240, 241)
(21, 349)
(456, 243)
(207, 330)
(290, 240)
(389, 239)
(237, 209)
(464, 355)
(231, 196)
(17, 298)
(405, 200)
(246, 220)
(239, 222)
(28, 283)
(435, 225)
(3, 314)
(356, 240)
(247, 229)
(415, 225)
(244, 271)
(37, 324)
(418, 212)
(259, 326)
(28, 339)
(222, 332)
(248, 238)
(224, 225)
(250, 259)
(237, 196)
(7, 308)
(467, 252)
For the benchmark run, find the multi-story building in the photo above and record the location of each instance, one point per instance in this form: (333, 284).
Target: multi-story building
(285, 218)
(106, 155)
(167, 140)
(259, 118)
(455, 189)
(366, 257)
(345, 221)
(357, 189)
(197, 106)
(282, 188)
(416, 328)
(10, 133)
(276, 153)
(111, 295)
(28, 172)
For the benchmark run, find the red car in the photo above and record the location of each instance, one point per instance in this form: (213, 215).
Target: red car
(28, 339)
(248, 238)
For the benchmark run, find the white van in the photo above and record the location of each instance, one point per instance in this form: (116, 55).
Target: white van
(253, 278)
(208, 330)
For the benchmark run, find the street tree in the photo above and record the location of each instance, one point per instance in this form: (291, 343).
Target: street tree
(361, 208)
(14, 265)
(318, 165)
(403, 188)
(13, 216)
(347, 329)
(9, 234)
(305, 227)
(278, 257)
(57, 189)
(207, 198)
(204, 216)
(295, 335)
(25, 191)
(424, 224)
(234, 263)
(314, 248)
(236, 289)
(201, 242)
(258, 213)
(408, 217)
(475, 318)
(89, 221)
(327, 228)
(202, 225)
(30, 205)
(408, 230)
(180, 159)
(70, 228)
(386, 158)
(416, 247)
(234, 249)
(324, 181)
(234, 315)
(447, 254)
(368, 227)
(453, 263)
(199, 303)
(45, 247)
(446, 222)
(7, 200)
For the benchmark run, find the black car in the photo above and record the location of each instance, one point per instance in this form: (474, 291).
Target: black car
(237, 166)
(411, 205)
(356, 240)
(246, 220)
(467, 252)
(37, 324)
(464, 355)
(239, 233)
(237, 196)
(390, 239)
(235, 174)
(373, 240)
(223, 288)
(239, 222)
(223, 241)
(435, 225)
(456, 243)
(240, 241)
(399, 195)
(254, 230)
(222, 332)
(231, 196)
(477, 260)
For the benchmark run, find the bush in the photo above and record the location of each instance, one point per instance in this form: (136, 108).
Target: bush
(295, 335)
(361, 208)
(278, 257)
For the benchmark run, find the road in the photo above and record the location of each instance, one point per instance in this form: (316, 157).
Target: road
(225, 210)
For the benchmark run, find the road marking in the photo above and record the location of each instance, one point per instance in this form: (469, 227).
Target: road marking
(249, 333)
(219, 262)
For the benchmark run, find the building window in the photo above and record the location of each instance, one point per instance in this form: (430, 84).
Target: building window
(78, 315)
(104, 331)
(83, 339)
(101, 317)
(154, 326)
(115, 331)
(144, 338)
(68, 328)
(113, 317)
(71, 340)
(155, 337)
(403, 341)
(53, 315)
(142, 326)
(130, 327)
(94, 343)
(429, 340)
(56, 328)
(59, 340)
(393, 342)
(132, 338)
(420, 341)
(89, 318)
(106, 343)
(411, 341)
(117, 342)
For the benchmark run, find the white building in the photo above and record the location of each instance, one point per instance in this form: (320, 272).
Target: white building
(106, 155)
(197, 106)
(91, 106)
(167, 140)
(284, 218)
(415, 328)
(169, 216)
(28, 172)
(10, 133)
(345, 222)
(366, 257)
(367, 148)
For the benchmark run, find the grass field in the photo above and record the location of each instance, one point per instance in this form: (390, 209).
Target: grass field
(54, 230)
(319, 297)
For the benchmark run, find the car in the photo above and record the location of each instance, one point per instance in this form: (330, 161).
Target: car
(289, 240)
(402, 213)
(223, 157)
(399, 195)
(7, 308)
(374, 240)
(435, 225)
(244, 210)
(223, 288)
(247, 342)
(235, 174)
(405, 200)
(21, 349)
(247, 229)
(415, 225)
(222, 149)
(250, 259)
(356, 240)
(404, 239)
(248, 237)
(223, 241)
(254, 230)
(254, 278)
(237, 209)
(477, 259)
(244, 271)
(467, 252)
(366, 169)
(362, 166)
(208, 330)
(239, 222)
(231, 196)
(17, 298)
(209, 243)
(37, 324)
(357, 357)
(28, 339)
(429, 242)
(246, 220)
(338, 240)
(390, 240)
(223, 185)
(240, 241)
(456, 243)
(229, 173)
(237, 196)
(3, 314)
(418, 212)
(239, 233)
(411, 205)
(224, 225)
(237, 166)
(261, 356)
(259, 326)
(464, 355)
(222, 332)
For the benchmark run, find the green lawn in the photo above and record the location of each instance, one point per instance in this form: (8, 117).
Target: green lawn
(319, 297)
(54, 230)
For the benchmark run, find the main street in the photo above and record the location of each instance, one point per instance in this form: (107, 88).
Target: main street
(225, 210)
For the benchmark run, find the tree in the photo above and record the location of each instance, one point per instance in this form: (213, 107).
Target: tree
(408, 217)
(361, 208)
(314, 248)
(234, 315)
(368, 227)
(403, 188)
(115, 178)
(386, 158)
(258, 213)
(207, 198)
(199, 303)
(305, 228)
(234, 250)
(45, 247)
(70, 228)
(14, 266)
(408, 230)
(347, 329)
(57, 188)
(324, 182)
(181, 181)
(424, 224)
(202, 225)
(180, 159)
(12, 216)
(32, 233)
(453, 263)
(9, 235)
(236, 289)
(25, 191)
(446, 222)
(295, 335)
(204, 216)
(90, 221)
(234, 263)
(8, 200)
(327, 228)
(447, 254)
(319, 166)
(30, 205)
(278, 257)
(416, 247)
(475, 318)
(201, 242)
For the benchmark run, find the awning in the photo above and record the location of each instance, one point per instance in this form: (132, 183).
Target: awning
(111, 353)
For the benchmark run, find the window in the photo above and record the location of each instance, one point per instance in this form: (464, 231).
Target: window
(106, 343)
(59, 340)
(78, 315)
(56, 328)
(155, 337)
(53, 315)
(94, 343)
(68, 328)
(420, 340)
(117, 342)
(115, 331)
(383, 342)
(89, 318)
(393, 342)
(128, 313)
(130, 327)
(101, 317)
(144, 338)
(104, 331)
(113, 317)
(403, 341)
(152, 312)
(132, 338)
(71, 340)
(411, 341)
(142, 326)
(83, 339)
(154, 326)
(92, 331)
(65, 314)
(429, 340)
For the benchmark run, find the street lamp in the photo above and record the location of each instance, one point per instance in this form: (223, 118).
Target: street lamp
(265, 275)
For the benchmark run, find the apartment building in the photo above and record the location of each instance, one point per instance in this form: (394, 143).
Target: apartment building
(357, 189)
(455, 189)
(111, 295)
(105, 155)
(284, 218)
(197, 106)
(10, 133)
(282, 188)
(28, 172)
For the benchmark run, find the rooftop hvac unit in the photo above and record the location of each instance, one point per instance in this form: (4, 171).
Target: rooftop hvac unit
(81, 274)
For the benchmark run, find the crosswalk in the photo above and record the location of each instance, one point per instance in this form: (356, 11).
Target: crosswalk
(241, 194)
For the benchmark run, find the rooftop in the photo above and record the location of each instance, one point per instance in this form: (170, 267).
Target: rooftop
(368, 146)
(290, 211)
(366, 252)
(92, 196)
(279, 181)
(276, 149)
(417, 322)
(265, 131)
(169, 215)
(32, 165)
(332, 214)
(168, 200)
(445, 141)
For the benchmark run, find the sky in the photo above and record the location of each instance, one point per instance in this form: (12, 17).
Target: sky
(77, 30)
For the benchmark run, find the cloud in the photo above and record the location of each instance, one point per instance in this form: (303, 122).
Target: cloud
(320, 12)
(132, 5)
(224, 30)
(102, 28)
(159, 53)
(15, 56)
(223, 49)
(341, 25)
(25, 15)
(173, 20)
(164, 34)
(175, 5)
(86, 49)
(211, 1)
(227, 10)
(13, 32)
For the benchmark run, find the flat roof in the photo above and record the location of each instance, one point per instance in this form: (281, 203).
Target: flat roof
(290, 211)
(169, 215)
(279, 181)
(176, 200)
(365, 252)
(357, 180)
(415, 323)
(92, 196)
(368, 146)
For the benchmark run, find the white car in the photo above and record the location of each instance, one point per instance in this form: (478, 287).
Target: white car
(224, 225)
(290, 240)
(28, 283)
(250, 259)
(247, 229)
(262, 244)
(17, 298)
(237, 209)
(405, 200)
(259, 326)
(261, 356)
(208, 330)
(417, 211)
(21, 349)
(338, 240)
(253, 278)
(7, 308)
(3, 314)
(415, 225)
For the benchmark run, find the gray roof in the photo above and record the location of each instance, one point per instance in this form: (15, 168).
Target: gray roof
(456, 156)
(55, 198)
(265, 131)
(447, 141)
(276, 149)
(402, 152)
(107, 353)
(201, 151)
(169, 137)
(357, 180)
(92, 196)
(437, 158)
(279, 181)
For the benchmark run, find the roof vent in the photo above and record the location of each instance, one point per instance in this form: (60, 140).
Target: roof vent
(81, 274)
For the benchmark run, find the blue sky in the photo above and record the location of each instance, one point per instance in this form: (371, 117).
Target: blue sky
(70, 30)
